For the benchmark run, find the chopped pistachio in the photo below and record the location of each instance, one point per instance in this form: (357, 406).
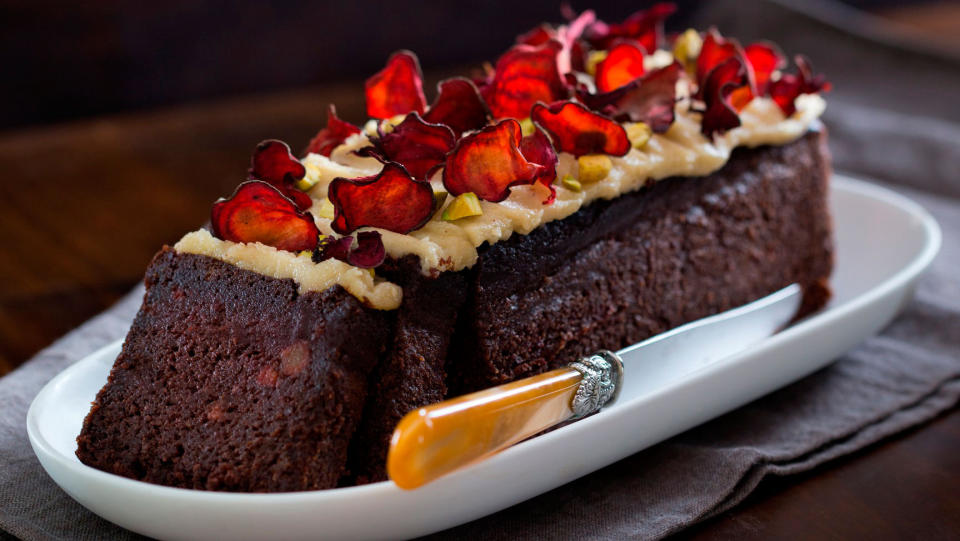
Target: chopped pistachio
(326, 209)
(439, 197)
(571, 183)
(462, 206)
(639, 133)
(526, 125)
(686, 49)
(388, 124)
(594, 58)
(304, 184)
(594, 167)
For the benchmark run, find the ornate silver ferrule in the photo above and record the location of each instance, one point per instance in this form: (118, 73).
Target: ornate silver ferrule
(602, 374)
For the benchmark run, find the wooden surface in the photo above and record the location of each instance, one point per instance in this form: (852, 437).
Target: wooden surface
(83, 207)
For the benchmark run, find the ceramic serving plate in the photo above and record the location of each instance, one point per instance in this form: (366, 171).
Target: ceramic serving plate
(884, 242)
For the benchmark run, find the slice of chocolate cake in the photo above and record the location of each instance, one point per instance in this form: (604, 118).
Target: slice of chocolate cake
(595, 186)
(232, 380)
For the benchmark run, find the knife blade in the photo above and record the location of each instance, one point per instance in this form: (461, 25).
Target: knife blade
(438, 439)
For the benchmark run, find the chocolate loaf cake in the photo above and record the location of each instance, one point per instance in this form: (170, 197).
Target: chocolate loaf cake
(589, 190)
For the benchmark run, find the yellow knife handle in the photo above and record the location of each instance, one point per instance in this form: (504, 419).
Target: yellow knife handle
(440, 438)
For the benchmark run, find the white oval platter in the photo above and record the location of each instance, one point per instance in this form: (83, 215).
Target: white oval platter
(884, 242)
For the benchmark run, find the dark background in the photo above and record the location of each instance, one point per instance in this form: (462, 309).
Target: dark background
(68, 60)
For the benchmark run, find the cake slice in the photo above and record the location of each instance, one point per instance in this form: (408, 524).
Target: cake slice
(233, 380)
(596, 186)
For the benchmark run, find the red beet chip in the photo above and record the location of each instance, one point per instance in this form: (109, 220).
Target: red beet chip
(537, 36)
(785, 90)
(523, 76)
(459, 106)
(390, 200)
(331, 247)
(719, 96)
(576, 129)
(536, 148)
(715, 50)
(649, 99)
(369, 252)
(644, 27)
(272, 162)
(489, 162)
(572, 55)
(416, 145)
(332, 136)
(397, 89)
(258, 212)
(764, 59)
(623, 64)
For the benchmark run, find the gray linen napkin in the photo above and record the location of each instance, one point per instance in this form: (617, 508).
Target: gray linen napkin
(903, 377)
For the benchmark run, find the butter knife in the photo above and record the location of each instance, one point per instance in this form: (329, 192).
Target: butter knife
(438, 439)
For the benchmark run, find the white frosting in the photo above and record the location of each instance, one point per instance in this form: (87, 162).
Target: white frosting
(300, 268)
(449, 246)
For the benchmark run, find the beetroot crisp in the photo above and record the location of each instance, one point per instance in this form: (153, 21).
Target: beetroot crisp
(416, 145)
(368, 253)
(459, 106)
(397, 89)
(536, 148)
(272, 162)
(523, 76)
(578, 130)
(258, 212)
(489, 162)
(332, 136)
(390, 200)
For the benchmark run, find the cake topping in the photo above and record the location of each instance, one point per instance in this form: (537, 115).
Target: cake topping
(489, 162)
(764, 59)
(273, 163)
(594, 167)
(459, 106)
(462, 206)
(785, 90)
(578, 130)
(367, 254)
(645, 27)
(723, 94)
(622, 64)
(760, 60)
(537, 148)
(258, 212)
(523, 76)
(601, 106)
(391, 200)
(397, 89)
(649, 99)
(332, 136)
(416, 145)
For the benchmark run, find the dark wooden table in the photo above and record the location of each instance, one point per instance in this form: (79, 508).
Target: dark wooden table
(83, 207)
